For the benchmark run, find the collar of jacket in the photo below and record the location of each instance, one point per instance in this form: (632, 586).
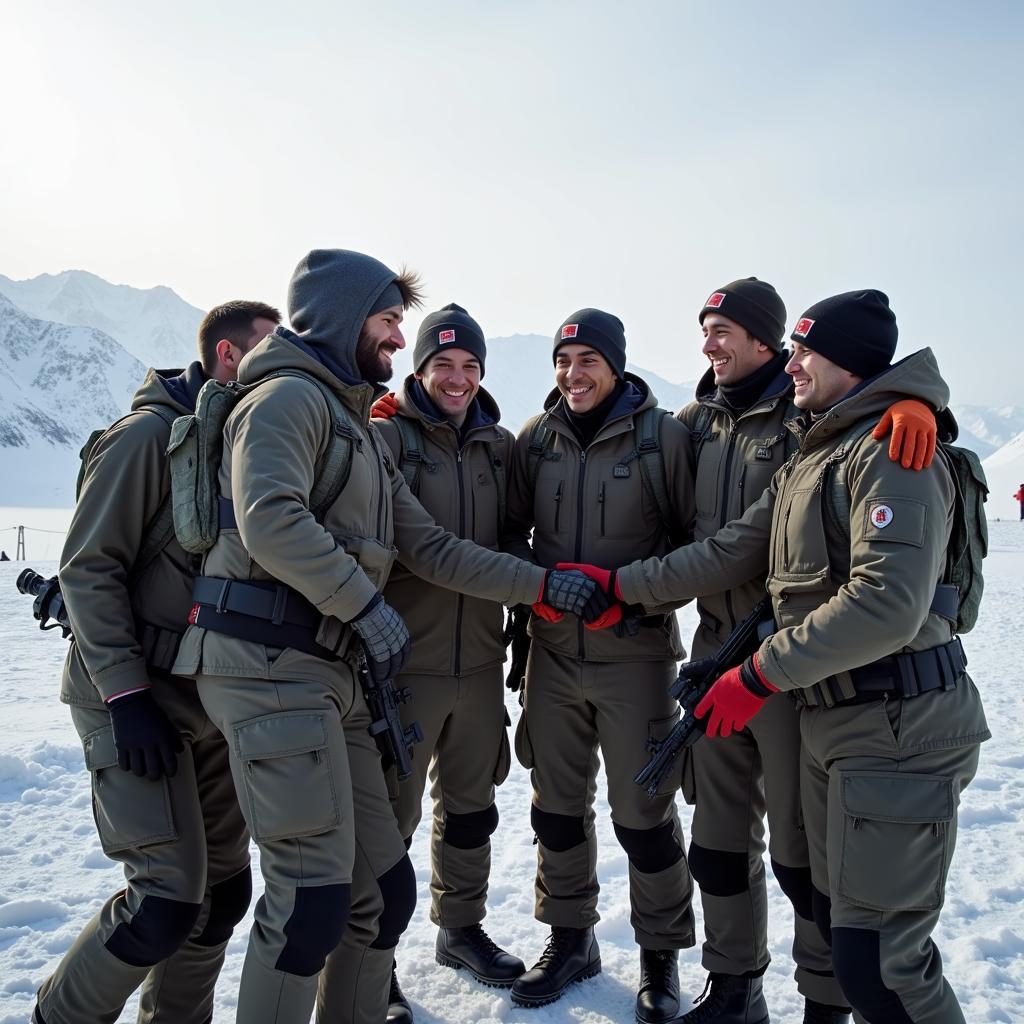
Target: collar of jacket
(481, 419)
(778, 389)
(915, 376)
(636, 397)
(177, 389)
(277, 352)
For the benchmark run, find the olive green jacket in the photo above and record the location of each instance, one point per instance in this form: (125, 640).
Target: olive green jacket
(453, 634)
(736, 457)
(591, 506)
(123, 625)
(843, 594)
(272, 441)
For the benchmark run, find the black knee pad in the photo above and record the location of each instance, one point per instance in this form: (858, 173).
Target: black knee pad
(821, 912)
(557, 832)
(155, 932)
(314, 928)
(398, 890)
(796, 884)
(470, 831)
(650, 850)
(229, 900)
(718, 872)
(857, 962)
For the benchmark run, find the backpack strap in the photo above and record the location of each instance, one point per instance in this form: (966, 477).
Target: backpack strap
(701, 430)
(413, 455)
(837, 504)
(160, 529)
(539, 449)
(652, 464)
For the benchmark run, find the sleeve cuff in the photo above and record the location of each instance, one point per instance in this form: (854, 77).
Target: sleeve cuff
(127, 675)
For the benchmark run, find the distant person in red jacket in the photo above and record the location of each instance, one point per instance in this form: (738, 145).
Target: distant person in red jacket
(1019, 496)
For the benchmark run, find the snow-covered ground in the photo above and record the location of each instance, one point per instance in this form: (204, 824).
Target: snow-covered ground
(53, 875)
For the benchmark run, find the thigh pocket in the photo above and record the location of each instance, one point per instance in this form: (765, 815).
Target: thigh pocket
(285, 763)
(504, 763)
(130, 812)
(524, 749)
(657, 732)
(896, 839)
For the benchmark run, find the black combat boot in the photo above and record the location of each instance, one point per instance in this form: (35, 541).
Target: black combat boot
(657, 1000)
(399, 1010)
(471, 947)
(819, 1013)
(571, 954)
(731, 1000)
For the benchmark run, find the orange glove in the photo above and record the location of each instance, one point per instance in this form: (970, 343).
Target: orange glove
(913, 433)
(385, 407)
(546, 612)
(734, 698)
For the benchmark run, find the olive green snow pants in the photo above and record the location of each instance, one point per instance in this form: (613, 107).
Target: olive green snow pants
(310, 784)
(574, 709)
(185, 852)
(880, 786)
(733, 783)
(466, 750)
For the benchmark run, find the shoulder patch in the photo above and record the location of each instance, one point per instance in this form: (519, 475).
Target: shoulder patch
(894, 520)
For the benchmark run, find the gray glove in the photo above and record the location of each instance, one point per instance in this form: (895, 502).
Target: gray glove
(385, 639)
(569, 590)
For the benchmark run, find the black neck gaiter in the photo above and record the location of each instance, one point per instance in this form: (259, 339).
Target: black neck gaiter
(585, 425)
(741, 396)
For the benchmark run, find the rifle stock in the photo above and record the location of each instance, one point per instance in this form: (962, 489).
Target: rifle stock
(694, 680)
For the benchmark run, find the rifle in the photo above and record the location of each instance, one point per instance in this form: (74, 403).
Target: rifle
(394, 742)
(48, 603)
(694, 681)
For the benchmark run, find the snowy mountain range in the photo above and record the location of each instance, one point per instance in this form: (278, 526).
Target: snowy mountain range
(73, 349)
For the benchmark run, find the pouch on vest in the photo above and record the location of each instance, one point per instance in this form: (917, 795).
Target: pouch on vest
(197, 445)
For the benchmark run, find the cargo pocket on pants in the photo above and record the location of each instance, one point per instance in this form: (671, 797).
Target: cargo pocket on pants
(896, 834)
(504, 764)
(286, 768)
(657, 732)
(524, 749)
(130, 812)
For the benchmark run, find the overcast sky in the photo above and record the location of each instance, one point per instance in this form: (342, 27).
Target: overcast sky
(531, 158)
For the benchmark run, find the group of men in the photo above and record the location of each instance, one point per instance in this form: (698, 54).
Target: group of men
(220, 700)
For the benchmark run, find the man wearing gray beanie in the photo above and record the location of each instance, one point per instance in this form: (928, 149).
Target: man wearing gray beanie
(442, 428)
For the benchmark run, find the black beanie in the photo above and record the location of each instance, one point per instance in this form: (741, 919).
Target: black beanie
(601, 331)
(754, 305)
(855, 330)
(449, 327)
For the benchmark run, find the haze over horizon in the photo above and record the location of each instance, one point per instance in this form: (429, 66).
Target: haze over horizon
(534, 159)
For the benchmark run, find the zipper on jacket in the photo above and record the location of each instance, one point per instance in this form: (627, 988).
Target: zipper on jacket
(730, 450)
(558, 504)
(460, 598)
(601, 502)
(381, 485)
(785, 539)
(579, 538)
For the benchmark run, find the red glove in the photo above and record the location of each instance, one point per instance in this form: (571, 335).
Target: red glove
(734, 698)
(913, 433)
(604, 578)
(385, 407)
(546, 612)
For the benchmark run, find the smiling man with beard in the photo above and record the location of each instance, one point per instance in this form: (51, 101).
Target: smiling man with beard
(287, 604)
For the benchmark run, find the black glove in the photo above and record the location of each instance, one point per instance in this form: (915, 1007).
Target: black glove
(518, 639)
(385, 639)
(147, 744)
(572, 591)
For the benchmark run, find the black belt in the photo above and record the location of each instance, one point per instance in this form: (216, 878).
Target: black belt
(266, 613)
(902, 676)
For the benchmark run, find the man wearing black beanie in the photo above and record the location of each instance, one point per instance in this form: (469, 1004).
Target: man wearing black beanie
(580, 485)
(442, 428)
(855, 549)
(738, 423)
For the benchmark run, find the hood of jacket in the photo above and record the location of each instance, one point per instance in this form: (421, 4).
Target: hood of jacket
(177, 389)
(329, 298)
(916, 376)
(278, 352)
(483, 411)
